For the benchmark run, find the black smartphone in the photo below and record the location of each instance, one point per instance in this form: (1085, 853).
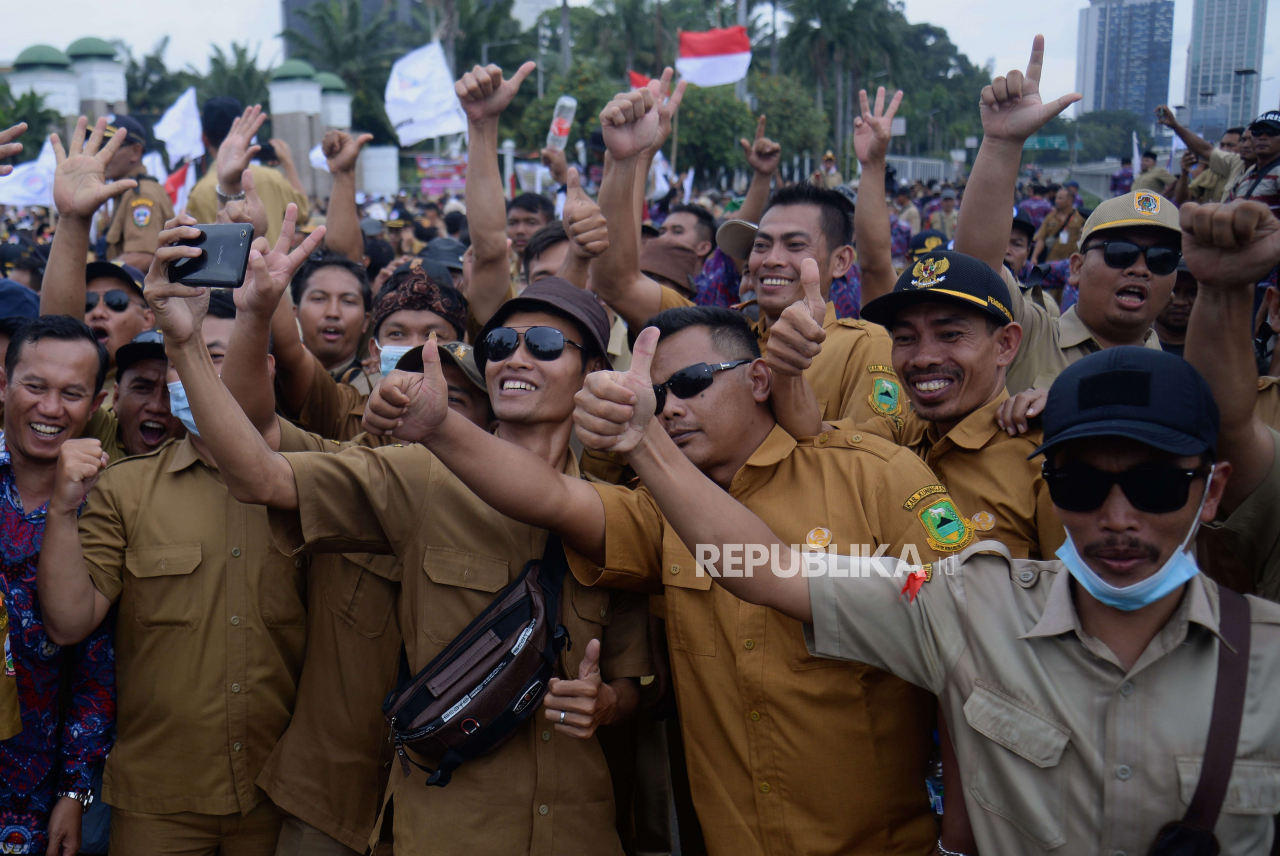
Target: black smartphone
(223, 259)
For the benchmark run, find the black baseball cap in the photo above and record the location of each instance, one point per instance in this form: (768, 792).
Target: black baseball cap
(126, 274)
(560, 297)
(460, 353)
(446, 251)
(1268, 123)
(944, 277)
(926, 241)
(18, 301)
(132, 128)
(147, 345)
(1023, 223)
(1153, 397)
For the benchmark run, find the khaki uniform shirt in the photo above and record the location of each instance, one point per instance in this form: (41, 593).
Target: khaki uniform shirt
(1053, 230)
(1208, 186)
(1229, 165)
(210, 636)
(138, 218)
(1049, 344)
(1063, 749)
(988, 475)
(355, 376)
(274, 190)
(105, 428)
(331, 765)
(542, 792)
(941, 221)
(1267, 407)
(1243, 550)
(789, 754)
(10, 712)
(619, 348)
(1157, 178)
(852, 377)
(332, 409)
(910, 215)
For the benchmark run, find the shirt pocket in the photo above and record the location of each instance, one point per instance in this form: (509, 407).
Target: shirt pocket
(283, 596)
(1254, 787)
(690, 607)
(165, 593)
(1018, 777)
(470, 581)
(360, 592)
(585, 614)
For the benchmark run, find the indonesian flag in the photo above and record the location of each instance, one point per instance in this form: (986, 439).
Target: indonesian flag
(179, 184)
(715, 57)
(638, 80)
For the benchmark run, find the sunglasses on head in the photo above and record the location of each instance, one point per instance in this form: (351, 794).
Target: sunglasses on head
(1153, 488)
(543, 343)
(690, 381)
(116, 300)
(1122, 254)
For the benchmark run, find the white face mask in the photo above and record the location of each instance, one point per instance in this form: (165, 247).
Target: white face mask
(389, 355)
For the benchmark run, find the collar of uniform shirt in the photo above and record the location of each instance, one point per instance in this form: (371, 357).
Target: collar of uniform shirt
(1072, 330)
(976, 429)
(776, 447)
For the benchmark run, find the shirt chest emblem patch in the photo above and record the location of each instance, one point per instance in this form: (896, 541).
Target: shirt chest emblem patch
(818, 538)
(946, 530)
(141, 212)
(886, 396)
(984, 521)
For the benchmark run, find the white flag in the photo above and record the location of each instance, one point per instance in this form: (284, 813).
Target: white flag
(31, 183)
(420, 100)
(688, 186)
(1137, 154)
(180, 129)
(317, 158)
(1175, 152)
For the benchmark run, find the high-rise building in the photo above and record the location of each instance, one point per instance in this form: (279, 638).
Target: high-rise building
(1224, 64)
(1122, 55)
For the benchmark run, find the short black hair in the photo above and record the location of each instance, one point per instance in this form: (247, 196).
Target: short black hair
(730, 333)
(1239, 132)
(1150, 154)
(62, 328)
(535, 203)
(455, 222)
(431, 206)
(1124, 161)
(221, 304)
(380, 255)
(837, 213)
(706, 222)
(425, 234)
(217, 117)
(317, 262)
(550, 235)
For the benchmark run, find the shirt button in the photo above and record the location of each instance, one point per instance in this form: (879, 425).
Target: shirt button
(604, 611)
(755, 716)
(235, 747)
(235, 551)
(546, 736)
(857, 438)
(297, 563)
(542, 810)
(1027, 576)
(235, 688)
(1123, 772)
(675, 569)
(1126, 689)
(764, 787)
(235, 620)
(824, 438)
(749, 644)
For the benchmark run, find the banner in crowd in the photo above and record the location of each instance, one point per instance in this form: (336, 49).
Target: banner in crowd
(180, 130)
(30, 183)
(442, 174)
(714, 58)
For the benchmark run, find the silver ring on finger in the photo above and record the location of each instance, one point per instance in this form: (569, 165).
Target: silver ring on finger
(562, 717)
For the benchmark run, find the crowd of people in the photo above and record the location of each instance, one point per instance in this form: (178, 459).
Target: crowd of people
(919, 519)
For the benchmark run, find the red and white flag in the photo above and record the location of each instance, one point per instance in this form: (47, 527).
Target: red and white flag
(179, 185)
(638, 80)
(715, 57)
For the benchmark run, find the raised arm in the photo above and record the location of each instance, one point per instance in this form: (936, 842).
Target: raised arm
(79, 190)
(237, 149)
(344, 237)
(763, 156)
(514, 481)
(1229, 248)
(287, 166)
(484, 95)
(252, 472)
(667, 103)
(9, 148)
(70, 605)
(1182, 186)
(1011, 112)
(587, 230)
(794, 342)
(1196, 144)
(615, 413)
(872, 132)
(630, 123)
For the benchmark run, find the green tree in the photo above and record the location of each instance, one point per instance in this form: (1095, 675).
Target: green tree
(235, 74)
(152, 86)
(360, 53)
(585, 82)
(711, 123)
(28, 107)
(795, 123)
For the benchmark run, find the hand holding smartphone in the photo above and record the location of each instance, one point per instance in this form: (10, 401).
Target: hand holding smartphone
(223, 259)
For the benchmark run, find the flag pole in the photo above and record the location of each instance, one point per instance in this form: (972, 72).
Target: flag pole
(675, 138)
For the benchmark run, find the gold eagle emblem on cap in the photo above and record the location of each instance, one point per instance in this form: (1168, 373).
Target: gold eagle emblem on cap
(928, 272)
(1146, 203)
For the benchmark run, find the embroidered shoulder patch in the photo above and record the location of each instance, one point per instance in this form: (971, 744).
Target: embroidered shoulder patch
(926, 491)
(882, 370)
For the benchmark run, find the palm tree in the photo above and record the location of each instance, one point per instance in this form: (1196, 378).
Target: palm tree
(236, 74)
(27, 107)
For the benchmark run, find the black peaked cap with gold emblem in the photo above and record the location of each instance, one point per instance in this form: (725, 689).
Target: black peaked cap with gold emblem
(944, 277)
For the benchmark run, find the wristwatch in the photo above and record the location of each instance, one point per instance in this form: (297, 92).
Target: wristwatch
(85, 798)
(224, 198)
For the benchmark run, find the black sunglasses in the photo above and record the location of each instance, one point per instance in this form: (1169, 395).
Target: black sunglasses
(116, 300)
(1154, 489)
(1122, 254)
(543, 343)
(690, 381)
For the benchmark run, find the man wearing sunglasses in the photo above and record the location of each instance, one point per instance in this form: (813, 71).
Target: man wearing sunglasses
(1128, 255)
(785, 753)
(1078, 691)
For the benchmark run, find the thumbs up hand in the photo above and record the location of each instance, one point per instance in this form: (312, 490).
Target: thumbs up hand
(798, 336)
(579, 707)
(587, 229)
(615, 409)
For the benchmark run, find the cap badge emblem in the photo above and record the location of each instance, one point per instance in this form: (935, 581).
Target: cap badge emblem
(928, 272)
(1147, 203)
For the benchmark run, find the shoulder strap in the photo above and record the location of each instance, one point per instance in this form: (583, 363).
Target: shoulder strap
(1261, 174)
(1228, 709)
(551, 575)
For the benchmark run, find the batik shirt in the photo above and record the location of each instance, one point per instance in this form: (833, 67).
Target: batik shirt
(51, 753)
(1036, 209)
(1121, 181)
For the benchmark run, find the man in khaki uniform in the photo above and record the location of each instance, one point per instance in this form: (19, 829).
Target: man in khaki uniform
(541, 792)
(784, 756)
(1225, 164)
(141, 212)
(945, 218)
(1152, 176)
(1079, 691)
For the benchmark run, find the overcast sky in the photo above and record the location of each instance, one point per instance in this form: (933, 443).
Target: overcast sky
(983, 29)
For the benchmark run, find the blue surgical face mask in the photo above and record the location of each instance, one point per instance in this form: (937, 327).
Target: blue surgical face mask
(180, 407)
(1179, 569)
(389, 355)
